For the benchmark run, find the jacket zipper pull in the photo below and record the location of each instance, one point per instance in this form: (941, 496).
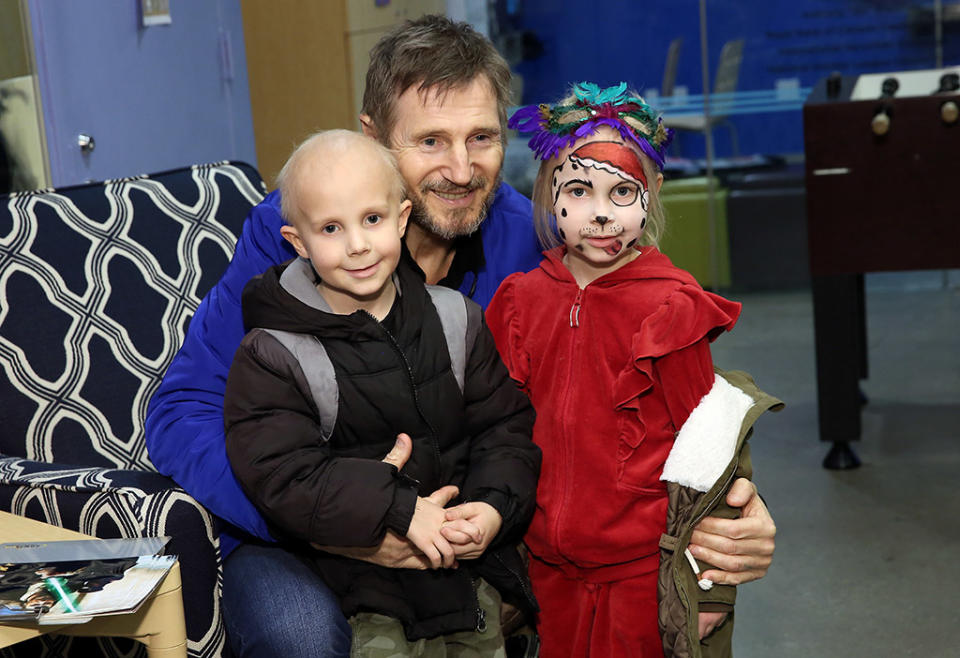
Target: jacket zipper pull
(481, 620)
(703, 583)
(575, 309)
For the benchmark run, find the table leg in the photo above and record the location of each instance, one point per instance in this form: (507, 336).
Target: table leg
(840, 341)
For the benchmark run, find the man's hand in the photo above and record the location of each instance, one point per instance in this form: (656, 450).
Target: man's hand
(394, 552)
(429, 515)
(741, 549)
(709, 621)
(471, 527)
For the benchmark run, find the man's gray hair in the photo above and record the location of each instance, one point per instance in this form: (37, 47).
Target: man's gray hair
(431, 52)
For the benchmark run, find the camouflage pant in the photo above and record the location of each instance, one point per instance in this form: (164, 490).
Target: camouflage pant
(379, 636)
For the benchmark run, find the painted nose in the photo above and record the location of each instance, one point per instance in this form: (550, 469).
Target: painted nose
(601, 220)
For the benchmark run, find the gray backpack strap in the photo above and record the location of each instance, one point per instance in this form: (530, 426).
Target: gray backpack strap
(452, 308)
(318, 370)
(309, 352)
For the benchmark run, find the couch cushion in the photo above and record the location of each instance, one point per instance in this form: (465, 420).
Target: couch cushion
(98, 283)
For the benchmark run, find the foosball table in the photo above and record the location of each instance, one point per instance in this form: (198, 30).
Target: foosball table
(882, 155)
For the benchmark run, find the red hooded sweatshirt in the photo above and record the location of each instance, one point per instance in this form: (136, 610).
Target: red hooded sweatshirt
(613, 371)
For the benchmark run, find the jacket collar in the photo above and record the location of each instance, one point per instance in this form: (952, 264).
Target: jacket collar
(299, 279)
(285, 297)
(468, 256)
(650, 264)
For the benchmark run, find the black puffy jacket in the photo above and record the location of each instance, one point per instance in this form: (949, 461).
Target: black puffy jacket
(338, 492)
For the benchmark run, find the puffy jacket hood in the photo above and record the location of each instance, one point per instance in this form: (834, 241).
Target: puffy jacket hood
(285, 297)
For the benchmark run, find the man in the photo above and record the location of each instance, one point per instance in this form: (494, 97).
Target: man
(436, 94)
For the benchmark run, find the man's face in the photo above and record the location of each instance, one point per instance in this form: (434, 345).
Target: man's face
(450, 151)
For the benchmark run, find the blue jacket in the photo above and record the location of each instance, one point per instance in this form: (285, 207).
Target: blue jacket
(184, 423)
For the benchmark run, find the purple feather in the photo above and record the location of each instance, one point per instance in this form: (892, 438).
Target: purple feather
(526, 119)
(546, 144)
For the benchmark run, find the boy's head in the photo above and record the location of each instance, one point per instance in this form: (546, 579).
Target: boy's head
(344, 205)
(626, 144)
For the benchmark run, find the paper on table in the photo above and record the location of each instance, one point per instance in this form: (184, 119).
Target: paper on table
(80, 549)
(123, 595)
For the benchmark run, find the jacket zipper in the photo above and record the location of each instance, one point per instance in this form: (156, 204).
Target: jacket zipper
(434, 438)
(523, 583)
(480, 616)
(574, 323)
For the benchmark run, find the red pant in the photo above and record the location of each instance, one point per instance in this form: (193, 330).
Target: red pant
(580, 619)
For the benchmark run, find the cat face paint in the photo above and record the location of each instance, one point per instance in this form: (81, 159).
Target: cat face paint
(600, 199)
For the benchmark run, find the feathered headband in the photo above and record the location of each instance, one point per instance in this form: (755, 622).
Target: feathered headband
(560, 126)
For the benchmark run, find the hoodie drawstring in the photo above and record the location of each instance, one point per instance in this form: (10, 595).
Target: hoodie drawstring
(575, 309)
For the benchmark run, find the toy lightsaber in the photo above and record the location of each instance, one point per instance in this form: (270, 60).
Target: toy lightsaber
(58, 588)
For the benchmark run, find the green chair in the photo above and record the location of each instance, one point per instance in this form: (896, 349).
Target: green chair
(687, 237)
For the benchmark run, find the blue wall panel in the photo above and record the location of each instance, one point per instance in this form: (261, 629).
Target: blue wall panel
(611, 40)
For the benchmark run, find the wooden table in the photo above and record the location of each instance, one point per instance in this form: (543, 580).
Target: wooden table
(159, 622)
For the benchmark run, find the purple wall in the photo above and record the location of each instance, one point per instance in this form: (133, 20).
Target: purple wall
(153, 98)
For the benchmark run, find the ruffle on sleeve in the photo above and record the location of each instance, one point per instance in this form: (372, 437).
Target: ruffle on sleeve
(632, 382)
(686, 316)
(504, 322)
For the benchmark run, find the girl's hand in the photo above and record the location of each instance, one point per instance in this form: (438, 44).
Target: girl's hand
(709, 622)
(471, 527)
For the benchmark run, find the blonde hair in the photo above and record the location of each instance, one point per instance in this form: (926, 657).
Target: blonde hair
(328, 144)
(545, 222)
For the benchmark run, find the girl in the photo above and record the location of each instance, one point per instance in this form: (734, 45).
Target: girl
(640, 439)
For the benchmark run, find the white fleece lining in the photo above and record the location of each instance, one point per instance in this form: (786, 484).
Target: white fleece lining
(707, 441)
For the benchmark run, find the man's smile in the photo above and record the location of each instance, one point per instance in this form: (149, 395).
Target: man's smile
(453, 196)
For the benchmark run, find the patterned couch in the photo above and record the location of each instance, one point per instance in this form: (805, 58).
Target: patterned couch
(97, 285)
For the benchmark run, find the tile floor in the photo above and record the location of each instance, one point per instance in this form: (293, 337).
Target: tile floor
(866, 559)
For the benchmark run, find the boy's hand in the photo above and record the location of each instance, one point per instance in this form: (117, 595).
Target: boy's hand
(709, 621)
(394, 552)
(471, 527)
(741, 549)
(426, 524)
(429, 515)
